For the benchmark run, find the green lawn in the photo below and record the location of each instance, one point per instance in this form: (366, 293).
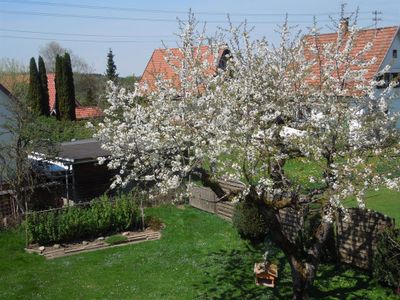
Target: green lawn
(385, 201)
(198, 257)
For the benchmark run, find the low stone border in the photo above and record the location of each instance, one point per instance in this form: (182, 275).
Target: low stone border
(61, 250)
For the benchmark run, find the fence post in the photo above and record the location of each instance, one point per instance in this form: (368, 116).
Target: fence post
(26, 224)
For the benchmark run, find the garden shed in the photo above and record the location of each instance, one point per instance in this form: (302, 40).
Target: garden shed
(76, 165)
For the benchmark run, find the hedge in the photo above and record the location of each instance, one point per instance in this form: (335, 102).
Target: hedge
(386, 263)
(101, 216)
(249, 222)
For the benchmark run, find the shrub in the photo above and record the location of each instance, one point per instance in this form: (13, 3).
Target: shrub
(99, 217)
(153, 223)
(116, 239)
(386, 263)
(249, 222)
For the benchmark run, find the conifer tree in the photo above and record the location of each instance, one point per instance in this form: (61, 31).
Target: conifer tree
(59, 86)
(90, 97)
(111, 72)
(44, 105)
(69, 87)
(34, 96)
(65, 89)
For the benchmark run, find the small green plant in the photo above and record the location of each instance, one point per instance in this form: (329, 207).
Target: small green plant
(116, 239)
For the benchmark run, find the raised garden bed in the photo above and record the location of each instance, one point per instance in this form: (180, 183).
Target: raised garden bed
(66, 249)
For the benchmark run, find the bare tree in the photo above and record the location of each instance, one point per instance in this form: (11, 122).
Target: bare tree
(14, 76)
(50, 51)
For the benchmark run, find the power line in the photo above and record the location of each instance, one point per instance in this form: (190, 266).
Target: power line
(63, 15)
(82, 34)
(98, 7)
(84, 16)
(80, 40)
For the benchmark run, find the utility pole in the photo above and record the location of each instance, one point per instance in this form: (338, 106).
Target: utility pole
(375, 19)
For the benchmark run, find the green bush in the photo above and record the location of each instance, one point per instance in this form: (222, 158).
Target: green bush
(101, 216)
(386, 263)
(249, 222)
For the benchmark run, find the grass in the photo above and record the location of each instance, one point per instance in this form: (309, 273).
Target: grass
(116, 239)
(198, 257)
(384, 200)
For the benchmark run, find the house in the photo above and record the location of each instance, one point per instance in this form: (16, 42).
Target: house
(6, 103)
(385, 49)
(6, 115)
(81, 112)
(158, 64)
(76, 167)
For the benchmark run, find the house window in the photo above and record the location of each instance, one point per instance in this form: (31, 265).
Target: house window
(383, 81)
(388, 78)
(394, 53)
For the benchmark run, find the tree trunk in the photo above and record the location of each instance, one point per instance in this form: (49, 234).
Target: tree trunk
(303, 268)
(303, 276)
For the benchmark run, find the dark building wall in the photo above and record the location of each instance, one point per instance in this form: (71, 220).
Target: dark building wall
(89, 180)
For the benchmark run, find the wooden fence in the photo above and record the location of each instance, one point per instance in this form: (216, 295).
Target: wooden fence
(356, 235)
(205, 199)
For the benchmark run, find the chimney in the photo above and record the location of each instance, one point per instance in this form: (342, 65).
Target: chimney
(344, 25)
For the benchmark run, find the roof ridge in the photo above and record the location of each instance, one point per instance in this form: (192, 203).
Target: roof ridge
(360, 30)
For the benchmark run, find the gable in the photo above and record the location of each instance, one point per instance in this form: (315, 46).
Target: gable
(391, 61)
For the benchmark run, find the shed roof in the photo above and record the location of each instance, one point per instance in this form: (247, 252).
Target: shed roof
(82, 150)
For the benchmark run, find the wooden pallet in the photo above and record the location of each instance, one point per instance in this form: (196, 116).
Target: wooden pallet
(98, 245)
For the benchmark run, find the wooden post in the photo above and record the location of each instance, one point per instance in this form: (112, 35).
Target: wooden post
(26, 224)
(66, 185)
(73, 184)
(142, 211)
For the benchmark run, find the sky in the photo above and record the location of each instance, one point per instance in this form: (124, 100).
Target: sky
(133, 29)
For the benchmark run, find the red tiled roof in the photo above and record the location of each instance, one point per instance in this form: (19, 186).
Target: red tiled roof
(158, 65)
(86, 112)
(81, 112)
(380, 38)
(51, 85)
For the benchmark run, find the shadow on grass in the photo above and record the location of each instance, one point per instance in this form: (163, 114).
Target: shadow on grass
(344, 282)
(229, 275)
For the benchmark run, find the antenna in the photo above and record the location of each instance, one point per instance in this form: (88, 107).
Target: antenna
(375, 19)
(343, 10)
